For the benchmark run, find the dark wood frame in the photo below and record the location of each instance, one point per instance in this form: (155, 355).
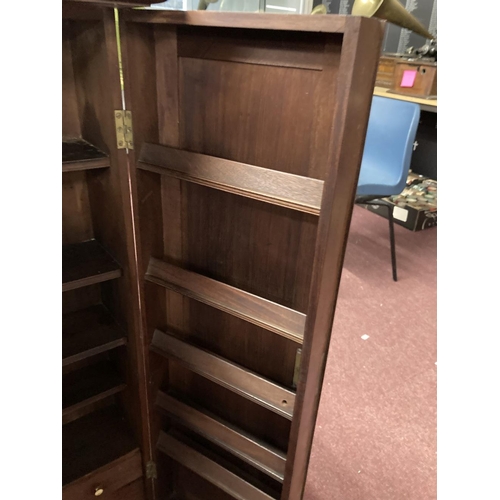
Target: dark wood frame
(351, 101)
(345, 50)
(90, 64)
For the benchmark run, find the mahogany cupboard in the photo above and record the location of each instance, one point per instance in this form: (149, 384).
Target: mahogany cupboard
(206, 205)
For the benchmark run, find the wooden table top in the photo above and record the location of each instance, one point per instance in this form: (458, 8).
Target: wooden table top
(425, 104)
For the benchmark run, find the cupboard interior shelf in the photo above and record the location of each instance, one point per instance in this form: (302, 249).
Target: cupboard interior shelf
(89, 332)
(86, 386)
(78, 154)
(85, 264)
(94, 441)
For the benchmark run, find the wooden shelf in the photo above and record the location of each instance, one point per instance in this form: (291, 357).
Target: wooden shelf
(263, 184)
(252, 308)
(87, 263)
(89, 332)
(253, 451)
(82, 388)
(94, 441)
(210, 470)
(80, 155)
(231, 376)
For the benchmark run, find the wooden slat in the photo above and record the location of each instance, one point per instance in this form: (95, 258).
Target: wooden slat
(235, 378)
(264, 21)
(87, 263)
(209, 470)
(261, 312)
(89, 332)
(271, 186)
(81, 155)
(257, 453)
(82, 388)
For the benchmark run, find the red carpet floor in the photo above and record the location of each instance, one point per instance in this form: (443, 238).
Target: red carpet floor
(375, 436)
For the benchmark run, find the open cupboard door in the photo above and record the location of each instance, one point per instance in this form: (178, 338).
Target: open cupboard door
(248, 137)
(206, 206)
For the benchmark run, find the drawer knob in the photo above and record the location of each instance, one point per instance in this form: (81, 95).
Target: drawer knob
(98, 492)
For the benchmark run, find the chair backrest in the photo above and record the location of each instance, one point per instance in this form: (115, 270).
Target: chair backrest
(392, 128)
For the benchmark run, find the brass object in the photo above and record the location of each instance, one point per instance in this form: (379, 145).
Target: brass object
(98, 492)
(319, 9)
(203, 4)
(296, 368)
(392, 11)
(124, 132)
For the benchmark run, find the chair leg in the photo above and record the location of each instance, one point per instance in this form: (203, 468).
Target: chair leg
(393, 244)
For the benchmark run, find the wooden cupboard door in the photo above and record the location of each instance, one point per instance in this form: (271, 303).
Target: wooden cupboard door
(248, 137)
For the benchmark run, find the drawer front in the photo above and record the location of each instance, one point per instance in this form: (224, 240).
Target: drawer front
(133, 491)
(103, 483)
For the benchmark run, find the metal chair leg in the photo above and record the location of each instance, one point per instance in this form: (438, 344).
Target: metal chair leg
(393, 244)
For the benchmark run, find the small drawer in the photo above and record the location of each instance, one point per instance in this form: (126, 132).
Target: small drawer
(104, 482)
(133, 491)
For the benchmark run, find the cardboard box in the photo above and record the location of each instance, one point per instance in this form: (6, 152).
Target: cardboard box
(416, 207)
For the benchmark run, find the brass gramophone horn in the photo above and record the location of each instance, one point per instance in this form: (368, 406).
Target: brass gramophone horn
(319, 9)
(203, 4)
(392, 11)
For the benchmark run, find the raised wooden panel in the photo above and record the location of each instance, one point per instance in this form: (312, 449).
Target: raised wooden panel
(266, 96)
(261, 248)
(270, 48)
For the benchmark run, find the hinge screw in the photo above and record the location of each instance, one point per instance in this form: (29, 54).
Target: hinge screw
(118, 115)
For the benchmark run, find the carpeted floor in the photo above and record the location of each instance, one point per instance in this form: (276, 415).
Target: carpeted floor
(375, 436)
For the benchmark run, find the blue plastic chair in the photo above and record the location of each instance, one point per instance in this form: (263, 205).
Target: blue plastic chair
(392, 127)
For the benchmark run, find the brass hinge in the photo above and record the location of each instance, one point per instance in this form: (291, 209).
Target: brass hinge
(296, 368)
(124, 132)
(151, 470)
